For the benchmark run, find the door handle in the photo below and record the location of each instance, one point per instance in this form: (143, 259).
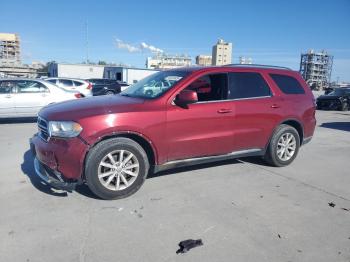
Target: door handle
(275, 106)
(224, 111)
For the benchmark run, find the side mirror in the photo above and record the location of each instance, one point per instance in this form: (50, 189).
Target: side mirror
(186, 97)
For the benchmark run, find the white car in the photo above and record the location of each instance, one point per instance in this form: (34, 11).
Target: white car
(84, 87)
(25, 97)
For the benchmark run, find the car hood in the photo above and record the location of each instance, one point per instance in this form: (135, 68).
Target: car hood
(91, 106)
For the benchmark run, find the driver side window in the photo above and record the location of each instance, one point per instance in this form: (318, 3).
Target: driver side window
(211, 87)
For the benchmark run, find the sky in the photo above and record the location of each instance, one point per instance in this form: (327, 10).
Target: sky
(273, 32)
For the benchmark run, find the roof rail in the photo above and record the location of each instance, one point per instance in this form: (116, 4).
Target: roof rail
(258, 65)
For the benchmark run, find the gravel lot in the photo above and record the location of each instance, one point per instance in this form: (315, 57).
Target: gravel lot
(242, 210)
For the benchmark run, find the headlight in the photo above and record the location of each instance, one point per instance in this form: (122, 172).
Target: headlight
(64, 129)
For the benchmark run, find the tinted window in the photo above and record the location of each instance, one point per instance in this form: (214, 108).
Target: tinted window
(52, 81)
(288, 84)
(246, 85)
(30, 87)
(76, 83)
(210, 87)
(65, 82)
(6, 87)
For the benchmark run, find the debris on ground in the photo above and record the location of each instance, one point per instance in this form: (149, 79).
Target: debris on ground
(188, 244)
(261, 196)
(345, 209)
(299, 250)
(11, 233)
(279, 236)
(155, 199)
(331, 204)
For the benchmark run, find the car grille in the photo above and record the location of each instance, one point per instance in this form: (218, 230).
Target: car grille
(43, 128)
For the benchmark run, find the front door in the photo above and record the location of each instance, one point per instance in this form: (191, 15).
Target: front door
(31, 96)
(203, 128)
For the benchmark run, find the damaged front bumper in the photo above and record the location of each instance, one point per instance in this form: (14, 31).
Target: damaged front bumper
(52, 178)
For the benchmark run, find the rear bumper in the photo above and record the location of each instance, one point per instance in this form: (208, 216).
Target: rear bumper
(307, 140)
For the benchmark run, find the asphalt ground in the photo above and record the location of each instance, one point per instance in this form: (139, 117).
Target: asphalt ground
(243, 210)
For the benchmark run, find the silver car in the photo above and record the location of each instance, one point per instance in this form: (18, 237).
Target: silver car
(25, 97)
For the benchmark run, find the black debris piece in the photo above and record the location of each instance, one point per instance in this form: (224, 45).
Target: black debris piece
(345, 209)
(331, 204)
(261, 196)
(299, 250)
(279, 236)
(140, 215)
(188, 244)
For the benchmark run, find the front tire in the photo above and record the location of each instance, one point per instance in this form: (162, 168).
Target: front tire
(283, 147)
(116, 168)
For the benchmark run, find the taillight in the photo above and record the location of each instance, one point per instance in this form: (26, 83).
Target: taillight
(78, 95)
(89, 86)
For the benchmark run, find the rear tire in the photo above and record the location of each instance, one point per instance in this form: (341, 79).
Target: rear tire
(283, 147)
(108, 176)
(109, 93)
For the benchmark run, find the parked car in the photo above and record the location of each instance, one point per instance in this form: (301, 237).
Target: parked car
(123, 85)
(328, 90)
(102, 86)
(112, 143)
(25, 97)
(339, 99)
(84, 87)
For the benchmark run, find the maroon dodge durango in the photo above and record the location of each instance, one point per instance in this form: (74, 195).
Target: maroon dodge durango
(173, 118)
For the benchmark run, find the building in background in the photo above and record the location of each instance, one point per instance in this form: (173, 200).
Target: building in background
(125, 74)
(222, 53)
(129, 75)
(10, 49)
(245, 60)
(10, 58)
(316, 69)
(164, 61)
(203, 60)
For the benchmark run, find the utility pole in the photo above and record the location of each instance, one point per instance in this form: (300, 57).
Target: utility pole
(87, 41)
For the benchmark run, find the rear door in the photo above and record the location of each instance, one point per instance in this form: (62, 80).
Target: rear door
(257, 109)
(30, 97)
(7, 103)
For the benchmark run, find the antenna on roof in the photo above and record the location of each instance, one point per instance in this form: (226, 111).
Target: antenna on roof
(87, 41)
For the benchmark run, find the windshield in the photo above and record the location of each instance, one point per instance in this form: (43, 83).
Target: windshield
(154, 85)
(339, 92)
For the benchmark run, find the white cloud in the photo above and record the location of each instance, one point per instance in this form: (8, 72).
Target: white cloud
(120, 44)
(151, 48)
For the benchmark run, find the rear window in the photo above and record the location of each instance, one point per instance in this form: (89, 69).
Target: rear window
(76, 83)
(288, 84)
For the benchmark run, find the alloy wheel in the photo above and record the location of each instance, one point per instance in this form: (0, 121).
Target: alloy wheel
(118, 170)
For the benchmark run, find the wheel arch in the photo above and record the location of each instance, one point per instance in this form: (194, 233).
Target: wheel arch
(143, 141)
(291, 122)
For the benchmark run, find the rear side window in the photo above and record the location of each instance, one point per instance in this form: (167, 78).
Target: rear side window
(76, 83)
(287, 84)
(65, 82)
(247, 85)
(53, 81)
